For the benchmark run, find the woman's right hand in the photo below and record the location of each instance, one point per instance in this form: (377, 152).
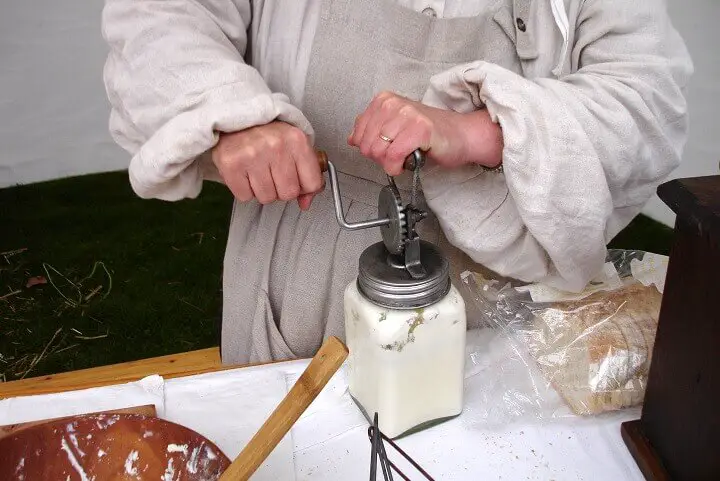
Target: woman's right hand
(269, 162)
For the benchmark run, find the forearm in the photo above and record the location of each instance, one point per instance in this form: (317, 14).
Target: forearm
(483, 138)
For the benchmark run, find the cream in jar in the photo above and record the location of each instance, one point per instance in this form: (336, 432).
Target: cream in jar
(406, 338)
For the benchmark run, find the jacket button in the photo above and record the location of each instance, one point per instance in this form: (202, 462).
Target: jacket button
(429, 12)
(521, 24)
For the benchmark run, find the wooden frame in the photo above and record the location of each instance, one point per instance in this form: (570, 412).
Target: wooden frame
(170, 366)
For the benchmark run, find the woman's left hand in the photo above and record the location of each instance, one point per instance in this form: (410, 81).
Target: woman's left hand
(392, 127)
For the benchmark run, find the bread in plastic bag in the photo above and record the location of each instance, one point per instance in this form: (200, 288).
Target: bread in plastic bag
(570, 353)
(596, 351)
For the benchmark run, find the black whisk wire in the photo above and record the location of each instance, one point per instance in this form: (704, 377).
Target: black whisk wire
(377, 439)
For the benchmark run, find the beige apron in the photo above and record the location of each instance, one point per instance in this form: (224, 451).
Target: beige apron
(285, 270)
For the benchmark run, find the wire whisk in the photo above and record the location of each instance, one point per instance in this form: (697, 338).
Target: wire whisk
(377, 441)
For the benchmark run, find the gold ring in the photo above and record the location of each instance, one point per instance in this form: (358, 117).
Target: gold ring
(385, 138)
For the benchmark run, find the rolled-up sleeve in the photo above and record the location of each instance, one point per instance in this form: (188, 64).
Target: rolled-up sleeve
(175, 77)
(583, 153)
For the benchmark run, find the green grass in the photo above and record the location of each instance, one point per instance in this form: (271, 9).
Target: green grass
(644, 234)
(164, 260)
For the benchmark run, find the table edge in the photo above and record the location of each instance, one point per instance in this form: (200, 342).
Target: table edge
(169, 366)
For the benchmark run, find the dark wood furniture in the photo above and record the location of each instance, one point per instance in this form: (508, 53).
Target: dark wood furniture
(678, 434)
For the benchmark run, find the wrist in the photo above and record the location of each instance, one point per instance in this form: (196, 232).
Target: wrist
(483, 140)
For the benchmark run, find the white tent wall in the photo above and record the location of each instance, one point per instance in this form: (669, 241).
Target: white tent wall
(54, 113)
(697, 22)
(53, 108)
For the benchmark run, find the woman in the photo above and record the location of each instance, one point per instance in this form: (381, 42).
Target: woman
(581, 102)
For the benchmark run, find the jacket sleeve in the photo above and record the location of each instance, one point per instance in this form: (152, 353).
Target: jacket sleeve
(175, 76)
(583, 153)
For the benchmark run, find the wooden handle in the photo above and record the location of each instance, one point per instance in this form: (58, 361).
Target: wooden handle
(322, 160)
(322, 367)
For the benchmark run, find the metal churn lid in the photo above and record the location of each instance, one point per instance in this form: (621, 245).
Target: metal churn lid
(384, 279)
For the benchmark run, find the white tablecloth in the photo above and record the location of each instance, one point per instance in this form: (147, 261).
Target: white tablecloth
(329, 442)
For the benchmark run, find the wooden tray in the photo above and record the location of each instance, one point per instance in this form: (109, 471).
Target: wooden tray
(107, 446)
(147, 410)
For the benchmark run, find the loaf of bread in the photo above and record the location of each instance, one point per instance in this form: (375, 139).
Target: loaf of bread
(596, 351)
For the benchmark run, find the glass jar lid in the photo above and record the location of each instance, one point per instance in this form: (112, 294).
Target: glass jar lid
(384, 279)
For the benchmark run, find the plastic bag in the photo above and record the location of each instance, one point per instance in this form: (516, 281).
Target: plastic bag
(545, 353)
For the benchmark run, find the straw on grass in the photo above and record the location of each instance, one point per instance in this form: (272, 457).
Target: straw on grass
(40, 357)
(10, 294)
(90, 338)
(8, 254)
(71, 346)
(78, 297)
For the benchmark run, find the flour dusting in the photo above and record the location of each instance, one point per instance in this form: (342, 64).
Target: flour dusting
(73, 460)
(19, 468)
(101, 453)
(147, 434)
(70, 427)
(108, 421)
(175, 448)
(112, 420)
(192, 463)
(209, 454)
(129, 463)
(169, 471)
(74, 440)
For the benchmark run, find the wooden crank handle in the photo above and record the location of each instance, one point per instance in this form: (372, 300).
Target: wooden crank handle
(322, 367)
(409, 164)
(322, 160)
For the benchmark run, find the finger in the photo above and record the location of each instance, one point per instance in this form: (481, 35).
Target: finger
(410, 139)
(262, 185)
(239, 185)
(305, 200)
(285, 177)
(390, 129)
(361, 121)
(387, 110)
(309, 174)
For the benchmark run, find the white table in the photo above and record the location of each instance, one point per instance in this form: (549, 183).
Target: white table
(330, 442)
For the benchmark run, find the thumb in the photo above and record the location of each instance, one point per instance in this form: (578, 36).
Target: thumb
(304, 201)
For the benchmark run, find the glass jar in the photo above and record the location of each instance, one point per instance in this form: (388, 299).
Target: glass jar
(406, 338)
